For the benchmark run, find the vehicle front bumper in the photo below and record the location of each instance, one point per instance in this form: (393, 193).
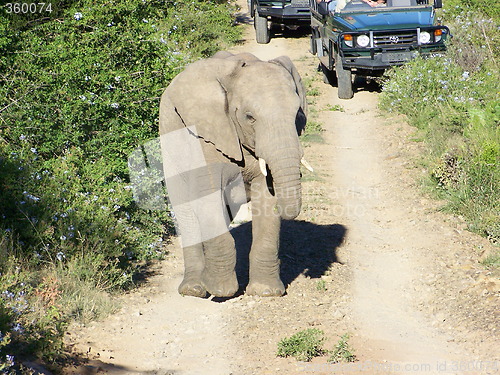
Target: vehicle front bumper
(295, 14)
(383, 59)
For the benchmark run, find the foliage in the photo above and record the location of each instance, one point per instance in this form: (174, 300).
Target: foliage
(303, 345)
(321, 285)
(312, 133)
(79, 91)
(336, 107)
(342, 351)
(493, 260)
(454, 101)
(93, 79)
(488, 8)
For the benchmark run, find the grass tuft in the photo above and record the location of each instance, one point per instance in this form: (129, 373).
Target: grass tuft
(342, 352)
(303, 345)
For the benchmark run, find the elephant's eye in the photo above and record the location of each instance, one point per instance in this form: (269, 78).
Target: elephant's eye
(249, 117)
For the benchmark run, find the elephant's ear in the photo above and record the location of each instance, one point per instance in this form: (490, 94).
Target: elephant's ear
(200, 101)
(285, 62)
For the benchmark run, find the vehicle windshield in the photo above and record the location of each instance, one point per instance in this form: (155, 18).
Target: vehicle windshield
(376, 5)
(358, 15)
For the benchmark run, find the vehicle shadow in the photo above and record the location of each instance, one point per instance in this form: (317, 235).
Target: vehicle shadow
(296, 33)
(277, 31)
(361, 84)
(243, 18)
(305, 248)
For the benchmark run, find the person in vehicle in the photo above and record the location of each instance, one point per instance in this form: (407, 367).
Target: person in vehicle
(341, 4)
(375, 3)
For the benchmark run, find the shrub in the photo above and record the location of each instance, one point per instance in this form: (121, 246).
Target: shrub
(79, 91)
(342, 351)
(454, 101)
(303, 345)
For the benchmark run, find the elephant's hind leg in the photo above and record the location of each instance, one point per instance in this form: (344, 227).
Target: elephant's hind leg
(194, 264)
(219, 275)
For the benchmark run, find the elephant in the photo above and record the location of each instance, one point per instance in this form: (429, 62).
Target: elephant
(229, 132)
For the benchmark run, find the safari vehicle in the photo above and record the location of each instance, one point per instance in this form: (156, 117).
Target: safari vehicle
(289, 13)
(364, 40)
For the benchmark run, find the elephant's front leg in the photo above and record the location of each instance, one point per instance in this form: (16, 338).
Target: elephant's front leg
(194, 264)
(219, 275)
(264, 263)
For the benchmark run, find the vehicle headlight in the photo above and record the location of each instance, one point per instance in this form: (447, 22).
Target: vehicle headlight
(363, 40)
(425, 37)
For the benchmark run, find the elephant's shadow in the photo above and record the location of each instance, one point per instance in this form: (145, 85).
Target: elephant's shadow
(305, 248)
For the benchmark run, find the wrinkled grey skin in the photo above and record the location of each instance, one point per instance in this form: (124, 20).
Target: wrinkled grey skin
(243, 109)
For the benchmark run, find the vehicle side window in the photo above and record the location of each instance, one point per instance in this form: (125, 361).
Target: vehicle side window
(356, 4)
(401, 3)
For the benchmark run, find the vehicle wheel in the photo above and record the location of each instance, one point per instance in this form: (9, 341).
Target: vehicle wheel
(262, 31)
(344, 79)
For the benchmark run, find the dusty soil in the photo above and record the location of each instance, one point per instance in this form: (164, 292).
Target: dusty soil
(369, 255)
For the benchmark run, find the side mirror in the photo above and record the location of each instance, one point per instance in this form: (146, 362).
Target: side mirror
(323, 8)
(438, 4)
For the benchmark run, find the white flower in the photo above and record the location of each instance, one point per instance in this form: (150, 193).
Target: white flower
(78, 16)
(115, 105)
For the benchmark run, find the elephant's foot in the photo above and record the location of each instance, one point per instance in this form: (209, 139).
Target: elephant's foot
(220, 285)
(192, 286)
(265, 288)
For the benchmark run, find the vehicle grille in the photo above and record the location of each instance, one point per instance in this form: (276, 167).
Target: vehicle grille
(395, 38)
(300, 3)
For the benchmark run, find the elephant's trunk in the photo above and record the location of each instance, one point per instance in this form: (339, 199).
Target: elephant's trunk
(285, 171)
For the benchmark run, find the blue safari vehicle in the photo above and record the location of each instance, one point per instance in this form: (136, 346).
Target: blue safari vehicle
(365, 37)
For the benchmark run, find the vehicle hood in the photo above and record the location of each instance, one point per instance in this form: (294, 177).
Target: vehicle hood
(384, 19)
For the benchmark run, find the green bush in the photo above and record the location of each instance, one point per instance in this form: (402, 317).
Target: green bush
(455, 102)
(79, 91)
(342, 353)
(303, 345)
(484, 7)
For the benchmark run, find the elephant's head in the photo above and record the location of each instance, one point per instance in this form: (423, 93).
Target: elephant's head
(252, 104)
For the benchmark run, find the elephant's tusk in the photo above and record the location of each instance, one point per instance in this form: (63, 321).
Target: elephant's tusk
(263, 167)
(307, 165)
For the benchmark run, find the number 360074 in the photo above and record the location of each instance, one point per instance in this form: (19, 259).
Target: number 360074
(20, 8)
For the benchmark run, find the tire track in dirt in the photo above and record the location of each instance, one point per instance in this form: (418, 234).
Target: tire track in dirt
(398, 246)
(383, 243)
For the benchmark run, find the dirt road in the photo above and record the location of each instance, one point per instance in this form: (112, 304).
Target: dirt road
(369, 256)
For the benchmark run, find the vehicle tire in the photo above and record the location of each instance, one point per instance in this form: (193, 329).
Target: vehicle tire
(344, 79)
(262, 30)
